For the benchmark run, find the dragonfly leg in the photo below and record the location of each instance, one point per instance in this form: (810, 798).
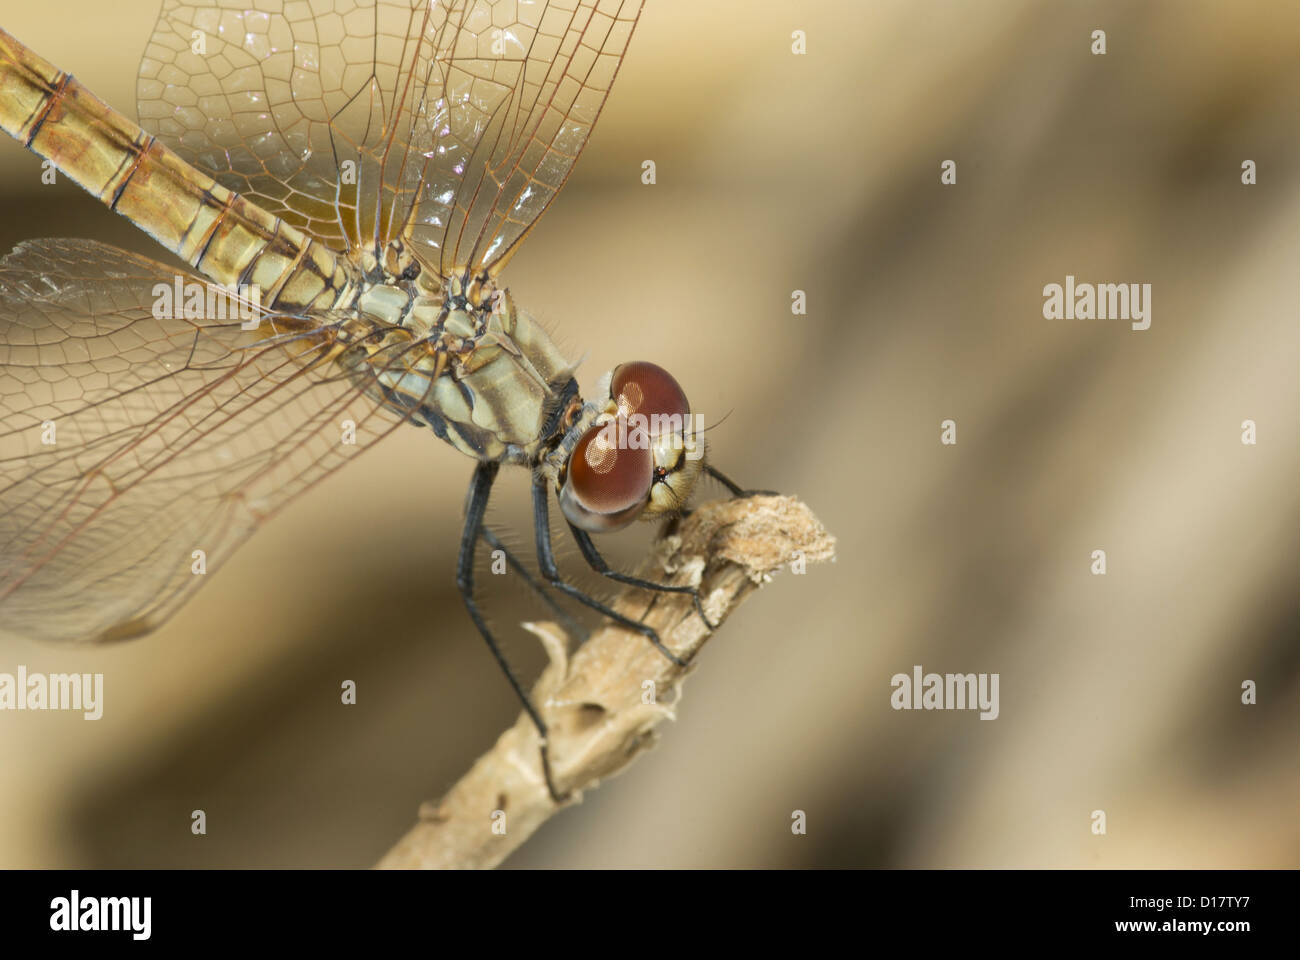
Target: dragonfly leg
(571, 626)
(551, 571)
(597, 563)
(735, 488)
(479, 491)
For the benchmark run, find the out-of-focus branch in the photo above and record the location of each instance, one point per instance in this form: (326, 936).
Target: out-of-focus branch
(604, 704)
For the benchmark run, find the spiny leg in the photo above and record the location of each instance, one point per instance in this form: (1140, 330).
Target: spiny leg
(597, 563)
(479, 491)
(735, 488)
(571, 626)
(551, 571)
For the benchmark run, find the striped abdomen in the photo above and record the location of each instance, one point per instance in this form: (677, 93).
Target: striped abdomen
(219, 233)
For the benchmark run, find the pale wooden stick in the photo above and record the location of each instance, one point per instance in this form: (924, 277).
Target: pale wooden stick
(603, 705)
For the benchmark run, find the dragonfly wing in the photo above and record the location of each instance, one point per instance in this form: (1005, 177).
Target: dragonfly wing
(452, 123)
(129, 441)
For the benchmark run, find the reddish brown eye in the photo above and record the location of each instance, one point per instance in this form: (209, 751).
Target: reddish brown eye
(610, 471)
(650, 390)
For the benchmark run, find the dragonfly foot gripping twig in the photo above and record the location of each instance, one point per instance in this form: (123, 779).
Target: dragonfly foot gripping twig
(602, 705)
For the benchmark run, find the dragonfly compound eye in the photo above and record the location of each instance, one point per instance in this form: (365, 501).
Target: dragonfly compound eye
(643, 389)
(609, 476)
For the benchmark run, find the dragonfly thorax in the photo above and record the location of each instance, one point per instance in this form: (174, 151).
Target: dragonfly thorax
(393, 264)
(403, 293)
(458, 356)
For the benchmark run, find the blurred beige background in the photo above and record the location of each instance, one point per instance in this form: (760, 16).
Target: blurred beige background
(818, 173)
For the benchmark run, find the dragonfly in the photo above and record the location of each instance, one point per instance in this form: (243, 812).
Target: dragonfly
(345, 184)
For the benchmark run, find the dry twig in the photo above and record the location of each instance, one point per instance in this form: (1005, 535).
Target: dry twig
(598, 704)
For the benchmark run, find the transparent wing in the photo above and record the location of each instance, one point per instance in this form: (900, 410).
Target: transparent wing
(128, 442)
(359, 120)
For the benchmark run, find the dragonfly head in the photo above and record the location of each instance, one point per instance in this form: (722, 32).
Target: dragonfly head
(638, 456)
